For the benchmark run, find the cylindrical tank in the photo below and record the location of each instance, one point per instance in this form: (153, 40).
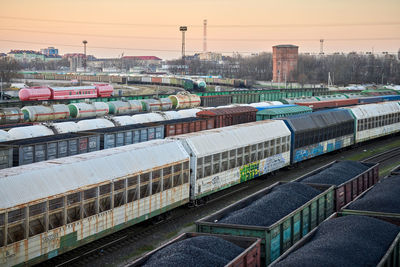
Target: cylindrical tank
(188, 113)
(119, 107)
(87, 125)
(35, 93)
(194, 100)
(29, 132)
(166, 104)
(11, 115)
(200, 84)
(151, 105)
(4, 136)
(180, 101)
(171, 115)
(136, 106)
(85, 110)
(45, 113)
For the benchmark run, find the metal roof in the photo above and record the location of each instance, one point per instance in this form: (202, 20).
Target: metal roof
(73, 88)
(224, 139)
(29, 132)
(373, 110)
(284, 110)
(318, 120)
(40, 180)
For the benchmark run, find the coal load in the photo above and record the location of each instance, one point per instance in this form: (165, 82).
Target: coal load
(265, 211)
(337, 174)
(383, 197)
(196, 251)
(345, 241)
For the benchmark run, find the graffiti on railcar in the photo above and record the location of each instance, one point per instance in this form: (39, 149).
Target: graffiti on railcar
(249, 171)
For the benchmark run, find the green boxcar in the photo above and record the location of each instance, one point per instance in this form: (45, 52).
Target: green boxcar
(280, 236)
(272, 113)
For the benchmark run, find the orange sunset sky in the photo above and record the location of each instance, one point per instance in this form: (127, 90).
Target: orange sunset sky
(152, 27)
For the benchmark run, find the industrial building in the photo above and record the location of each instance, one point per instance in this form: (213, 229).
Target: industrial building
(284, 62)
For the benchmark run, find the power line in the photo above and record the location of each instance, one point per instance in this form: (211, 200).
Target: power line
(119, 48)
(199, 39)
(368, 23)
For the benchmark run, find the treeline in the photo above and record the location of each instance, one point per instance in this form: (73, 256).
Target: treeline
(343, 68)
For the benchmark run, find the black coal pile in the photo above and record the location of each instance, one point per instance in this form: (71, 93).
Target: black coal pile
(282, 200)
(338, 173)
(383, 197)
(345, 241)
(196, 251)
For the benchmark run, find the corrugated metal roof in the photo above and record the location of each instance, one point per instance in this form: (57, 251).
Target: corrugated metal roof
(318, 120)
(284, 110)
(224, 111)
(29, 132)
(86, 125)
(28, 183)
(227, 138)
(373, 110)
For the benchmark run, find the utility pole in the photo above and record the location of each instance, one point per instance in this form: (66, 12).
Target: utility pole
(204, 36)
(183, 29)
(84, 52)
(1, 85)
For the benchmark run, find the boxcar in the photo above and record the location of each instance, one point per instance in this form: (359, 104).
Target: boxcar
(223, 157)
(42, 217)
(375, 120)
(319, 132)
(229, 116)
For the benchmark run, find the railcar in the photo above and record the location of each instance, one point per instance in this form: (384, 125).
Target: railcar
(375, 120)
(57, 93)
(223, 157)
(319, 132)
(41, 218)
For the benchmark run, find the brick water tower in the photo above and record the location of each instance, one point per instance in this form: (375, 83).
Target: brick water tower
(284, 62)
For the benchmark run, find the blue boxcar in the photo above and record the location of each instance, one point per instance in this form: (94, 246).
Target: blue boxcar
(391, 97)
(319, 132)
(369, 100)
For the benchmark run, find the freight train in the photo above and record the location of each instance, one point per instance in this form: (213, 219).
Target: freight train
(95, 194)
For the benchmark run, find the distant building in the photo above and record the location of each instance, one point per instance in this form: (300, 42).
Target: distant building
(398, 55)
(75, 61)
(210, 56)
(141, 60)
(49, 51)
(2, 55)
(26, 55)
(284, 62)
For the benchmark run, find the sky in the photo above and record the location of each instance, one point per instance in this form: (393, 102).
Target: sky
(151, 27)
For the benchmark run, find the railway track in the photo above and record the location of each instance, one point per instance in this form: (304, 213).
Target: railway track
(86, 254)
(384, 156)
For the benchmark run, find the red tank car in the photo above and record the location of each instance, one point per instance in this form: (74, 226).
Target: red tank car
(35, 93)
(104, 90)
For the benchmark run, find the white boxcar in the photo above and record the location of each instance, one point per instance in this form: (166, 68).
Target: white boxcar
(92, 195)
(226, 156)
(374, 120)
